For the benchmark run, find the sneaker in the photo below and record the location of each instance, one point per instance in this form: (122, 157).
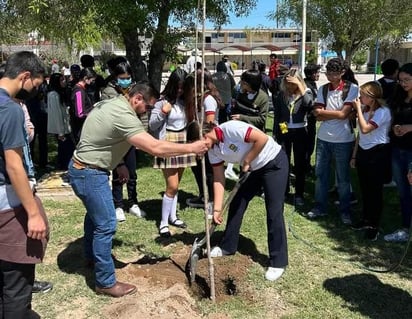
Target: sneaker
(353, 200)
(216, 252)
(315, 213)
(135, 210)
(390, 184)
(299, 201)
(345, 218)
(65, 180)
(195, 202)
(360, 225)
(399, 235)
(42, 286)
(372, 234)
(273, 274)
(120, 214)
(230, 174)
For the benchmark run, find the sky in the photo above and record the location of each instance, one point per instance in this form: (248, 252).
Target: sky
(256, 18)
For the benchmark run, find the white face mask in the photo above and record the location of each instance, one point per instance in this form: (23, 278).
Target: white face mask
(251, 96)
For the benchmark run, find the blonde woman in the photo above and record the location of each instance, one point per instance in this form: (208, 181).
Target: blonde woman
(292, 105)
(372, 155)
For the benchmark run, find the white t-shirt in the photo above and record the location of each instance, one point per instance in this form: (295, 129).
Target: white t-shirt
(176, 120)
(210, 106)
(234, 144)
(336, 131)
(381, 120)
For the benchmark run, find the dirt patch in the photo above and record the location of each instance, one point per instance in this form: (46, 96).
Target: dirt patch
(164, 291)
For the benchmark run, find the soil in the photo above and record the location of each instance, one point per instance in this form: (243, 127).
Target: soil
(164, 290)
(163, 287)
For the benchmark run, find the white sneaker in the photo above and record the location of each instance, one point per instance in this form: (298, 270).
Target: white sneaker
(216, 252)
(120, 215)
(398, 236)
(230, 174)
(135, 210)
(273, 274)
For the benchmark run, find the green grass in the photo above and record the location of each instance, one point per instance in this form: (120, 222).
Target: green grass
(324, 279)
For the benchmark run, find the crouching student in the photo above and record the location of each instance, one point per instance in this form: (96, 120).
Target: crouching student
(242, 143)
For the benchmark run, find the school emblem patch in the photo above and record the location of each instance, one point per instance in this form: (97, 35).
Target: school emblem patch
(233, 147)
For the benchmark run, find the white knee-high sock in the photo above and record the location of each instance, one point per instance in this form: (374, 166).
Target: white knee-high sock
(167, 204)
(173, 211)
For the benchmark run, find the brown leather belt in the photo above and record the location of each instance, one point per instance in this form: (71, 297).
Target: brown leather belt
(79, 165)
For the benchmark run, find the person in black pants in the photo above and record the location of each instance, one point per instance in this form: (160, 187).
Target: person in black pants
(37, 107)
(312, 73)
(294, 101)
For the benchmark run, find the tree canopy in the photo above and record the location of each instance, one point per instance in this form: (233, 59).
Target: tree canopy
(84, 23)
(349, 25)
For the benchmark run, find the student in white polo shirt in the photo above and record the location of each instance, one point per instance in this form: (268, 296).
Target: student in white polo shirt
(372, 155)
(242, 143)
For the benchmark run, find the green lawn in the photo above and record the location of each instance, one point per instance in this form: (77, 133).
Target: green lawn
(326, 276)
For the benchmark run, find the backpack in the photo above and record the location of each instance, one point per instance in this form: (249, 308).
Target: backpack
(345, 91)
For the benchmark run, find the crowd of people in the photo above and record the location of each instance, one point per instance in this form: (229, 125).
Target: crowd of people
(100, 127)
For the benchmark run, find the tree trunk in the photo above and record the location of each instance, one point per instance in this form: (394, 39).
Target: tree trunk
(157, 55)
(134, 54)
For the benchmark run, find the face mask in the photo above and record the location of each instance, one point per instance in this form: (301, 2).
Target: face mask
(25, 95)
(124, 83)
(251, 96)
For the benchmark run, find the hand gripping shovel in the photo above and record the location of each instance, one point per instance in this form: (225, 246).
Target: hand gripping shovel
(198, 244)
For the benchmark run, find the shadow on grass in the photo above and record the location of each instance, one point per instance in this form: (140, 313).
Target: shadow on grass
(367, 295)
(69, 262)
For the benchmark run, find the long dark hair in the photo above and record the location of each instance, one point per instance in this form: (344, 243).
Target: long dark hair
(189, 93)
(399, 95)
(55, 85)
(172, 86)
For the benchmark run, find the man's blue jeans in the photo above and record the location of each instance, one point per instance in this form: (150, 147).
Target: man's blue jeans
(400, 164)
(326, 153)
(93, 188)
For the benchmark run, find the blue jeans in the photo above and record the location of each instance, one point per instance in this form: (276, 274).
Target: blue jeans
(93, 188)
(400, 164)
(326, 152)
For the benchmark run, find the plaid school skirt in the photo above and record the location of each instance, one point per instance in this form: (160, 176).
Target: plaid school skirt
(175, 161)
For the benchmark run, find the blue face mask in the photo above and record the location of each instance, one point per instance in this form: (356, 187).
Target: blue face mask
(124, 83)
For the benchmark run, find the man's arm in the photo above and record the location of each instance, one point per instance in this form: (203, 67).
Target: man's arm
(37, 227)
(160, 148)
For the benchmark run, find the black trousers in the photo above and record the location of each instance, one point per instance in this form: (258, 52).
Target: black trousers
(371, 166)
(40, 133)
(273, 177)
(296, 140)
(117, 187)
(64, 152)
(16, 282)
(197, 172)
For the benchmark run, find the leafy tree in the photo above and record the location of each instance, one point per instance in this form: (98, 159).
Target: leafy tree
(82, 23)
(348, 25)
(360, 58)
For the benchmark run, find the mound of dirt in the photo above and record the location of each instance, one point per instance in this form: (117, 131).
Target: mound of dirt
(164, 290)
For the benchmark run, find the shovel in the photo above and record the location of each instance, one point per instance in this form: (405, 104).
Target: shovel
(198, 244)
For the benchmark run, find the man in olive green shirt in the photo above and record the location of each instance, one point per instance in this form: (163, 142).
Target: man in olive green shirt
(107, 134)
